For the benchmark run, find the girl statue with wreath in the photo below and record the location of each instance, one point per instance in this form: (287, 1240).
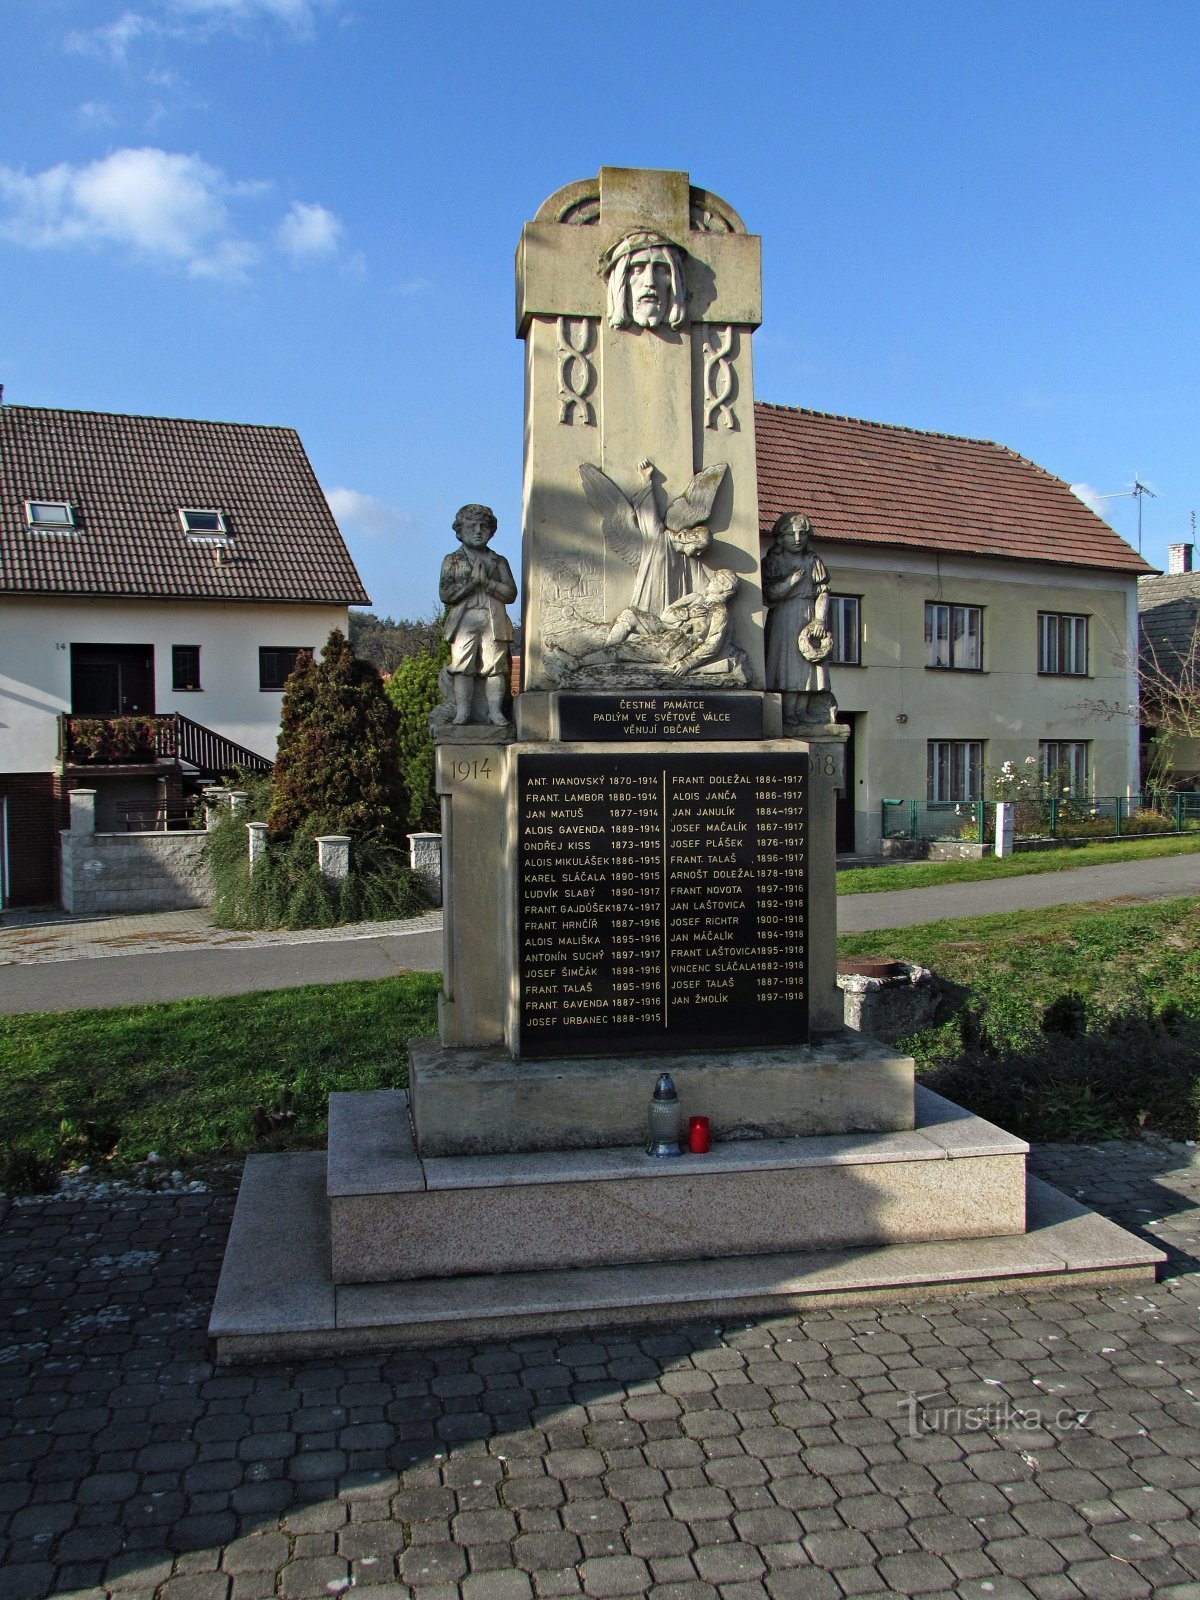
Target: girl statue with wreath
(796, 591)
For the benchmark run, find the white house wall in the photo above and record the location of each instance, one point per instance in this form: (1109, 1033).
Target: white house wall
(36, 636)
(1008, 705)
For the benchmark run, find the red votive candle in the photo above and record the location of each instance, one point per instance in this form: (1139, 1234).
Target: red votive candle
(698, 1135)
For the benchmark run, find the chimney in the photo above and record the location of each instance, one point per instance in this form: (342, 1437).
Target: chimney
(1179, 557)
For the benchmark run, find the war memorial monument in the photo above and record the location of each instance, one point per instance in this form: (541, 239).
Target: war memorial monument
(639, 881)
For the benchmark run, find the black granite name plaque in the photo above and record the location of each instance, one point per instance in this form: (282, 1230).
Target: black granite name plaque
(727, 715)
(661, 901)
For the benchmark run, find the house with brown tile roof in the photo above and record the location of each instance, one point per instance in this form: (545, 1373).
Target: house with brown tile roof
(1169, 615)
(157, 578)
(978, 608)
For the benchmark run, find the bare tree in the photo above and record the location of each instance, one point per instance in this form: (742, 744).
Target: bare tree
(1168, 705)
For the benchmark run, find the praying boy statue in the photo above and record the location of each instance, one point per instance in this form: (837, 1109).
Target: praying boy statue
(476, 584)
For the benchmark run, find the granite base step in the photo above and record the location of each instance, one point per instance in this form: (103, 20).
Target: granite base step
(395, 1215)
(277, 1300)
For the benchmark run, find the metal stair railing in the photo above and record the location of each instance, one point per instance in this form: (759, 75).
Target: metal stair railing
(212, 752)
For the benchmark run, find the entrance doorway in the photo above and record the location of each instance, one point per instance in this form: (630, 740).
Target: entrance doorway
(843, 816)
(112, 680)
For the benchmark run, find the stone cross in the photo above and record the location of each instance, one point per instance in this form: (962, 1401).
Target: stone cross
(677, 391)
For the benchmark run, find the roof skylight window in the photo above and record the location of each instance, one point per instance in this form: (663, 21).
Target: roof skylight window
(52, 516)
(198, 520)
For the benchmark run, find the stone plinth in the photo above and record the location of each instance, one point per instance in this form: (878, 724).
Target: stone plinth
(395, 1216)
(472, 1101)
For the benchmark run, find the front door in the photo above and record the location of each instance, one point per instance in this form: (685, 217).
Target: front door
(112, 680)
(844, 806)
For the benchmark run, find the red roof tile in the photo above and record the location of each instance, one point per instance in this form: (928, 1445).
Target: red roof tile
(876, 484)
(127, 479)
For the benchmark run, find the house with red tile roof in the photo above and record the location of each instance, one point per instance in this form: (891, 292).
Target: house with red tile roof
(978, 606)
(158, 577)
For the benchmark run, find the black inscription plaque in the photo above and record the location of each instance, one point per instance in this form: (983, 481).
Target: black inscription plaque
(728, 715)
(661, 901)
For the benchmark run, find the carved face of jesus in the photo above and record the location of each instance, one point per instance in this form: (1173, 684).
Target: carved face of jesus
(649, 287)
(795, 536)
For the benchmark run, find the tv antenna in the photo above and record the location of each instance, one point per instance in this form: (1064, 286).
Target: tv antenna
(1137, 490)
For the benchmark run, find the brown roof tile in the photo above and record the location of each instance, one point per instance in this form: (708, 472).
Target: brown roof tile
(127, 479)
(876, 484)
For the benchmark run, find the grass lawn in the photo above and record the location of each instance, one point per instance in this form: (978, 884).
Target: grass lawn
(927, 874)
(1072, 1021)
(183, 1078)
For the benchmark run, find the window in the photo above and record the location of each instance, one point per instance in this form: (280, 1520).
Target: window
(185, 667)
(1062, 644)
(277, 662)
(954, 637)
(845, 626)
(1064, 764)
(199, 521)
(955, 770)
(50, 516)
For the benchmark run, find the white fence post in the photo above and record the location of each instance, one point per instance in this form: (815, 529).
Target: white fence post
(425, 859)
(333, 856)
(256, 833)
(1005, 811)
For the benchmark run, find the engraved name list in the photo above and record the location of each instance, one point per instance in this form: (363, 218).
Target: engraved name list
(661, 901)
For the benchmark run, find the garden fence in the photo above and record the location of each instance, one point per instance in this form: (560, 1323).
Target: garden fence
(1099, 817)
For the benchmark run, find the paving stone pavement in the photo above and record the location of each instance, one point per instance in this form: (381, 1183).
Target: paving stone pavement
(1055, 1452)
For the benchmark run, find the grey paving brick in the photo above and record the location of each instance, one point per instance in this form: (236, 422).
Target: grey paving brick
(1109, 1580)
(802, 1583)
(614, 1575)
(428, 1564)
(496, 1586)
(913, 1574)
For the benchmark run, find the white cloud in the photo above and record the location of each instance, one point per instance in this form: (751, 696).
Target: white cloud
(363, 514)
(162, 206)
(193, 19)
(308, 230)
(1091, 498)
(111, 39)
(95, 114)
(166, 207)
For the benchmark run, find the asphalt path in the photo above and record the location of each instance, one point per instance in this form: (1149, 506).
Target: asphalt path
(1158, 878)
(140, 979)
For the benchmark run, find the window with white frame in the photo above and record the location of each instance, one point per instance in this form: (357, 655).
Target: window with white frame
(845, 624)
(955, 770)
(1062, 644)
(953, 636)
(50, 516)
(1064, 765)
(197, 519)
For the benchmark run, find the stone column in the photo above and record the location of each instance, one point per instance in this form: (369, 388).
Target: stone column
(333, 856)
(257, 839)
(425, 859)
(239, 800)
(214, 804)
(83, 811)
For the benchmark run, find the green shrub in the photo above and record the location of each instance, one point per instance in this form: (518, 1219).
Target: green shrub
(287, 889)
(413, 691)
(335, 768)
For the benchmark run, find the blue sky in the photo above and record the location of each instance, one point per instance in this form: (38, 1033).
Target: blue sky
(979, 218)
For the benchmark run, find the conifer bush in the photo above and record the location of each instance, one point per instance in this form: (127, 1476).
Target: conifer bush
(336, 768)
(336, 771)
(413, 691)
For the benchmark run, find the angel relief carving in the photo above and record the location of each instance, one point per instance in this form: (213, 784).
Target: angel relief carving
(676, 625)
